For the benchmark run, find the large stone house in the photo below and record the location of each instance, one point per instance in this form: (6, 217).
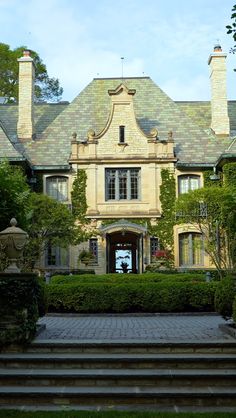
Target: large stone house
(121, 132)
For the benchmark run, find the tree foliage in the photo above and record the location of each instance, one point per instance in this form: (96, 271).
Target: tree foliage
(49, 222)
(46, 88)
(231, 29)
(212, 211)
(14, 195)
(45, 219)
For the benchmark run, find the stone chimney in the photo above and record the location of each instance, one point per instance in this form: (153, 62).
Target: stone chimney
(219, 104)
(25, 125)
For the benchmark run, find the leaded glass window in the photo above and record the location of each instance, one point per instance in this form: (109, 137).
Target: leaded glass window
(123, 184)
(191, 249)
(57, 188)
(188, 182)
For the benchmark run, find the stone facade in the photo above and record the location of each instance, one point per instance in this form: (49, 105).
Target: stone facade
(122, 133)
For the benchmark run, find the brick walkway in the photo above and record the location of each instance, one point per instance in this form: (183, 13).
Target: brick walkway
(161, 328)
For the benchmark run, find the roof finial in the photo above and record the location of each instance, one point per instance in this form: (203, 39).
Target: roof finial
(122, 65)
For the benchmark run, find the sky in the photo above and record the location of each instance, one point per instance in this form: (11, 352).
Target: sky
(167, 40)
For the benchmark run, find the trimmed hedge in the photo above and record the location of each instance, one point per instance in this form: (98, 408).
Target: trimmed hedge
(234, 310)
(224, 297)
(116, 295)
(19, 296)
(123, 278)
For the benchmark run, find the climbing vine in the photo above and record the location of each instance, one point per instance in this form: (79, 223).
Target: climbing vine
(78, 197)
(164, 227)
(208, 182)
(229, 171)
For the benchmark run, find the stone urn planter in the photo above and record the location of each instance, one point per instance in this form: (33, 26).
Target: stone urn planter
(12, 242)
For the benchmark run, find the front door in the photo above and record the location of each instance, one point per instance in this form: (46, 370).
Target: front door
(123, 252)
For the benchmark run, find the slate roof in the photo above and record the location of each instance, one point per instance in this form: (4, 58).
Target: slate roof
(195, 143)
(7, 149)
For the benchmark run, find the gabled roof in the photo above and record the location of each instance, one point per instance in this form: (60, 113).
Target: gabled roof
(195, 144)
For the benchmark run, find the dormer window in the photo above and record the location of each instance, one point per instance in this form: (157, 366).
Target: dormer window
(121, 134)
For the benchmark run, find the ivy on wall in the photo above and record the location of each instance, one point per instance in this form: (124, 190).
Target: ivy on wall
(229, 171)
(208, 182)
(78, 197)
(164, 227)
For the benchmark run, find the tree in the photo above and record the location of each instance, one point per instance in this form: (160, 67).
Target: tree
(232, 28)
(46, 88)
(14, 195)
(49, 223)
(212, 211)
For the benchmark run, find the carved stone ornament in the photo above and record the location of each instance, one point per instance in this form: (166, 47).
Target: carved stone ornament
(12, 242)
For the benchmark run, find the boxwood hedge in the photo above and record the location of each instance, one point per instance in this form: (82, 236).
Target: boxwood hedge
(124, 293)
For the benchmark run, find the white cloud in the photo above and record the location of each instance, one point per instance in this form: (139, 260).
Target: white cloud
(79, 40)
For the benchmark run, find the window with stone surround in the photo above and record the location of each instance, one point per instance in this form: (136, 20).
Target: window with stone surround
(57, 188)
(122, 183)
(188, 182)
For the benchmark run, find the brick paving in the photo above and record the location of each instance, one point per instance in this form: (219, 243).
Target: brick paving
(133, 327)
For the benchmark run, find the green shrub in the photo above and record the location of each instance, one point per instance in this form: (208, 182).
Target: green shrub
(130, 296)
(224, 297)
(234, 310)
(19, 295)
(122, 278)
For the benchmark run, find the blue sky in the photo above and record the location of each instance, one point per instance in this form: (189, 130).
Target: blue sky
(170, 41)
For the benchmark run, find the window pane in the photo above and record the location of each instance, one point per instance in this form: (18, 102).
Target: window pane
(194, 183)
(62, 189)
(183, 185)
(57, 188)
(154, 246)
(62, 257)
(122, 184)
(51, 256)
(134, 184)
(110, 181)
(93, 247)
(121, 134)
(184, 249)
(197, 249)
(51, 188)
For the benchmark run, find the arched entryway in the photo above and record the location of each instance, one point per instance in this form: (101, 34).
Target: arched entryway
(124, 247)
(123, 252)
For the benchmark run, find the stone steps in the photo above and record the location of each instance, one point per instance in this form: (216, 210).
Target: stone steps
(123, 395)
(123, 375)
(109, 360)
(117, 377)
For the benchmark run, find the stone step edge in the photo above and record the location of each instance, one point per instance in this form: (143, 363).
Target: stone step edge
(132, 343)
(132, 357)
(135, 391)
(124, 373)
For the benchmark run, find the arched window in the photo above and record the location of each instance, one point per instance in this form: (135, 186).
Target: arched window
(191, 249)
(188, 182)
(57, 188)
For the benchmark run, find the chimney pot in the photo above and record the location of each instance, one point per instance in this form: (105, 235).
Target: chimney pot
(217, 48)
(26, 53)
